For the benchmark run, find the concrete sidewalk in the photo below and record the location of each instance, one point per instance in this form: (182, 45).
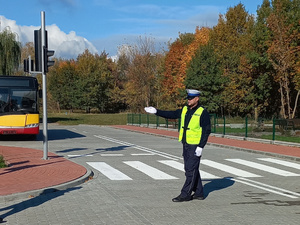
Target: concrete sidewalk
(28, 175)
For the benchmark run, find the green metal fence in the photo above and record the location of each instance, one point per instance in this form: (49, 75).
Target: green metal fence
(269, 129)
(150, 120)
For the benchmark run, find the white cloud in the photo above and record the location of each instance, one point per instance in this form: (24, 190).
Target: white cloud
(65, 45)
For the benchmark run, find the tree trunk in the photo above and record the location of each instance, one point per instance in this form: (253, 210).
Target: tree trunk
(295, 107)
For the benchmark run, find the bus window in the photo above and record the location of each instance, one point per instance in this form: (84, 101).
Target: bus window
(26, 100)
(4, 99)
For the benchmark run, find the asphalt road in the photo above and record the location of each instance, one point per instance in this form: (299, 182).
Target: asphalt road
(136, 175)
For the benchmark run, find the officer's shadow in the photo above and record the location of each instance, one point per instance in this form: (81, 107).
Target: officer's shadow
(217, 184)
(45, 196)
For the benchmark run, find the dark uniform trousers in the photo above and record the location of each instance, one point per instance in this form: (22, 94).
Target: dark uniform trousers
(193, 180)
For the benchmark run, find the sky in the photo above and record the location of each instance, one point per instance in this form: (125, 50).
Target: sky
(106, 25)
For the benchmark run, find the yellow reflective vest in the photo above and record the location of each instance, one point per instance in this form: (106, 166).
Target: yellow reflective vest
(193, 131)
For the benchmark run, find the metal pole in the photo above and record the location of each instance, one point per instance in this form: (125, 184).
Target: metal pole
(29, 64)
(45, 125)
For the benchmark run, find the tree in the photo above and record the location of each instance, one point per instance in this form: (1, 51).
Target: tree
(84, 83)
(284, 51)
(204, 74)
(231, 39)
(63, 86)
(95, 78)
(10, 53)
(178, 58)
(142, 71)
(261, 67)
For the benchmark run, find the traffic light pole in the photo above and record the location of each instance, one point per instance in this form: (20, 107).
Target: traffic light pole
(45, 116)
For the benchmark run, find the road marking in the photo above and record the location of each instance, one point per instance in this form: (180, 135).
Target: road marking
(281, 162)
(180, 166)
(116, 154)
(148, 150)
(150, 171)
(108, 171)
(75, 156)
(228, 169)
(264, 167)
(142, 154)
(266, 187)
(232, 170)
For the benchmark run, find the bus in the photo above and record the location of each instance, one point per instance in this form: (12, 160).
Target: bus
(19, 108)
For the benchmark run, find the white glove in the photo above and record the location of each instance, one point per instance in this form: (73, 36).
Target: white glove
(150, 109)
(198, 151)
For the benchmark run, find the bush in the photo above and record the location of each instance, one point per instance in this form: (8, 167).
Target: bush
(2, 162)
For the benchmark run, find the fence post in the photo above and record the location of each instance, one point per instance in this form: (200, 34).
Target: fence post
(224, 126)
(246, 134)
(140, 119)
(157, 118)
(273, 136)
(147, 120)
(215, 121)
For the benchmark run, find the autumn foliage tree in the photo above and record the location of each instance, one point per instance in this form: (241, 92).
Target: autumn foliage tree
(62, 85)
(84, 83)
(283, 53)
(180, 54)
(204, 74)
(231, 38)
(143, 69)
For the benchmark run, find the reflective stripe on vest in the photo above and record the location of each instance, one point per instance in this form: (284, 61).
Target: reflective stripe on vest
(194, 131)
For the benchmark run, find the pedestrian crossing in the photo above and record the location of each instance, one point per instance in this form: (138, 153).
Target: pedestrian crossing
(149, 170)
(109, 171)
(264, 167)
(223, 168)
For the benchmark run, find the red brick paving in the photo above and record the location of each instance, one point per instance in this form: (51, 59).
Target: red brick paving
(27, 170)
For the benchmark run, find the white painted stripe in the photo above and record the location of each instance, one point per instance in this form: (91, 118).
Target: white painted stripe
(112, 154)
(108, 171)
(281, 162)
(264, 167)
(284, 191)
(148, 150)
(180, 166)
(142, 154)
(73, 156)
(149, 170)
(228, 169)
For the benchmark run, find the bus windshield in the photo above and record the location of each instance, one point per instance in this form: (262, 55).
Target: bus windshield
(18, 100)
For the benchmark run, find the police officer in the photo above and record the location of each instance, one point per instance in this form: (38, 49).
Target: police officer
(195, 128)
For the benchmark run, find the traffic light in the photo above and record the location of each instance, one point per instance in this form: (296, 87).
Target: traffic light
(28, 64)
(47, 62)
(38, 50)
